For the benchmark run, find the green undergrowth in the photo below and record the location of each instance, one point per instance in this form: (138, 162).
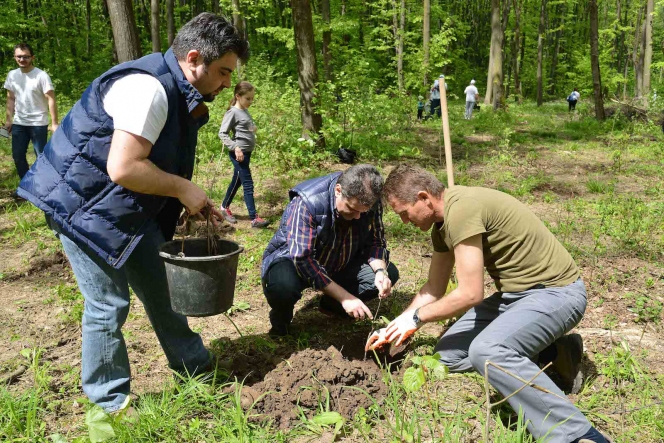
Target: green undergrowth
(596, 185)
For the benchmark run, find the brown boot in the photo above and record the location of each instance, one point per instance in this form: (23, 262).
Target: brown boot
(568, 361)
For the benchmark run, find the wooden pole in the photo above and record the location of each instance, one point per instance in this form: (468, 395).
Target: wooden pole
(446, 132)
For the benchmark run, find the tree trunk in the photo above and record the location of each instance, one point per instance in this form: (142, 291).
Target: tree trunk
(516, 49)
(556, 48)
(198, 7)
(215, 6)
(497, 54)
(88, 27)
(239, 24)
(638, 67)
(426, 35)
(489, 79)
(540, 51)
(594, 59)
(125, 34)
(398, 28)
(327, 40)
(307, 74)
(170, 20)
(154, 26)
(647, 53)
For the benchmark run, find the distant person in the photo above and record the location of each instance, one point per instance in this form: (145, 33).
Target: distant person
(113, 181)
(573, 99)
(435, 98)
(240, 146)
(331, 238)
(30, 99)
(472, 96)
(420, 107)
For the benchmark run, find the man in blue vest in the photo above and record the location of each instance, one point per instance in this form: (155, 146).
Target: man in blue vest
(113, 180)
(331, 238)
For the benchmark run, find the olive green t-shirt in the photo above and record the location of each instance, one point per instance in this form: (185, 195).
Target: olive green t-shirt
(519, 251)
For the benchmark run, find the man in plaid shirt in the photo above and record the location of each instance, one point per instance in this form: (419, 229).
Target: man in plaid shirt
(331, 238)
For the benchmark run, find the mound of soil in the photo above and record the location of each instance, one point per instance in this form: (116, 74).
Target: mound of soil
(307, 379)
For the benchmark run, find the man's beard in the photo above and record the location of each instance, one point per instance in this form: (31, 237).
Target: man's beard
(209, 98)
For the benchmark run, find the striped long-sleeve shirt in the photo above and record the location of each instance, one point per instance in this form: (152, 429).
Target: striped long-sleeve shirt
(314, 259)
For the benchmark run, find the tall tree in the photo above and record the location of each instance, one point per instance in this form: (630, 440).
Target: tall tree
(307, 73)
(239, 24)
(496, 54)
(426, 35)
(327, 39)
(594, 59)
(398, 30)
(170, 20)
(88, 27)
(154, 26)
(125, 33)
(647, 51)
(516, 49)
(540, 54)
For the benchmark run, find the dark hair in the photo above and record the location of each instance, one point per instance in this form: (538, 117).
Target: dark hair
(24, 47)
(405, 181)
(213, 36)
(361, 182)
(241, 89)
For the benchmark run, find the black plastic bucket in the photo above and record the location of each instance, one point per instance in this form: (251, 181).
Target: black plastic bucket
(201, 285)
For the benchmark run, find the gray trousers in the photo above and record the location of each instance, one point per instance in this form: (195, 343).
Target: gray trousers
(510, 330)
(469, 110)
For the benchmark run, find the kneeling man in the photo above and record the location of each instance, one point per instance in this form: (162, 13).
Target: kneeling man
(331, 238)
(540, 296)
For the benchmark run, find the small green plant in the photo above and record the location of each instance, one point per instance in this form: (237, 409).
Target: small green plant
(647, 309)
(599, 187)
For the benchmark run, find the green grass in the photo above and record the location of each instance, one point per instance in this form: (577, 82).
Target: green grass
(597, 215)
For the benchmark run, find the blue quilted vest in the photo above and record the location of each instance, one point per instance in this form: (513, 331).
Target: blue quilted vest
(318, 196)
(70, 183)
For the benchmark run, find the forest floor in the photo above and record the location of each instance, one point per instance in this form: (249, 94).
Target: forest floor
(600, 191)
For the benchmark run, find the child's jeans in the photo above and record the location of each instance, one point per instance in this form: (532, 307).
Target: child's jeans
(241, 176)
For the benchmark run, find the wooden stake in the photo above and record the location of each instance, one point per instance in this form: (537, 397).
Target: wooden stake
(446, 133)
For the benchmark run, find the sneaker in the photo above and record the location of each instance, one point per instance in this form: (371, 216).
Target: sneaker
(259, 222)
(568, 361)
(228, 215)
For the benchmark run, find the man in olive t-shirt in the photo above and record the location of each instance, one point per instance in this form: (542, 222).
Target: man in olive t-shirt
(540, 297)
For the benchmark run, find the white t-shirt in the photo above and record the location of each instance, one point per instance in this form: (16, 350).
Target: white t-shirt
(470, 92)
(30, 106)
(138, 105)
(575, 95)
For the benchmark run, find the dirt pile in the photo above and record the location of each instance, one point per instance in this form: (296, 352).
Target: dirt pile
(308, 379)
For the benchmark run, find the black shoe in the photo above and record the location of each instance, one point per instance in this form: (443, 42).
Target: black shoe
(568, 361)
(278, 331)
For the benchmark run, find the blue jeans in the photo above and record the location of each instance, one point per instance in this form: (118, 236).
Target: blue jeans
(21, 136)
(241, 176)
(105, 371)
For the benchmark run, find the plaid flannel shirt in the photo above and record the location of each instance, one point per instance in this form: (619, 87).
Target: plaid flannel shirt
(315, 261)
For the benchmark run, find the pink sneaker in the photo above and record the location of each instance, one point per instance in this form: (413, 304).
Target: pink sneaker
(259, 222)
(228, 215)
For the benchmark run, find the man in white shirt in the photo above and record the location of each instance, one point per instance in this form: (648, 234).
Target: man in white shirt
(472, 95)
(30, 98)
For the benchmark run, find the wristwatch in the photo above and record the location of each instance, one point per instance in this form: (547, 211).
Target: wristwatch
(380, 270)
(416, 317)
